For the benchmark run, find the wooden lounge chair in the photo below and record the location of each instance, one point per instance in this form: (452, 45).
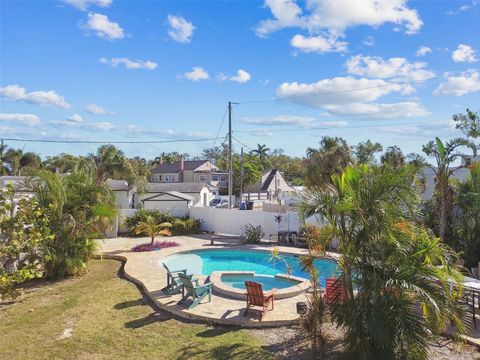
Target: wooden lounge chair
(256, 297)
(334, 291)
(173, 281)
(196, 292)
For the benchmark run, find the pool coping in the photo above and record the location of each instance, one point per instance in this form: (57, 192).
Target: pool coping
(145, 270)
(225, 290)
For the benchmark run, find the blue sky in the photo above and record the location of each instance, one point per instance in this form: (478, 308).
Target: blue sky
(387, 70)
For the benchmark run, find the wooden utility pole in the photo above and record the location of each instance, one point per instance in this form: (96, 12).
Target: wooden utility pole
(230, 170)
(241, 174)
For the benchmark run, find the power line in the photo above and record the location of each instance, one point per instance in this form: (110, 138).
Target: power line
(106, 142)
(333, 128)
(221, 124)
(248, 147)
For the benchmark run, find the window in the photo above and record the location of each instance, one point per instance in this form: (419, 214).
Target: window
(223, 178)
(214, 177)
(159, 177)
(202, 178)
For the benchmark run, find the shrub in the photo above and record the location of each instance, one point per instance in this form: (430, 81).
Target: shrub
(252, 234)
(180, 226)
(157, 245)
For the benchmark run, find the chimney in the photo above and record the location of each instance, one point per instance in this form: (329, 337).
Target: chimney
(161, 159)
(182, 167)
(182, 163)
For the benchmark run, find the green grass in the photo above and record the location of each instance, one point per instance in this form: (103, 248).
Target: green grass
(110, 321)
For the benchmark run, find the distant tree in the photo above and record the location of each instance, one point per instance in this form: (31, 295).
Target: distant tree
(3, 160)
(252, 171)
(261, 151)
(445, 155)
(468, 123)
(217, 155)
(393, 156)
(333, 156)
(365, 152)
(63, 163)
(417, 160)
(16, 161)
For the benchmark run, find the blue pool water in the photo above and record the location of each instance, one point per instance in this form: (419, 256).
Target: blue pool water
(204, 262)
(268, 282)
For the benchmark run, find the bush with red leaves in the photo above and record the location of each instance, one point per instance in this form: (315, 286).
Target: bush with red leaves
(157, 245)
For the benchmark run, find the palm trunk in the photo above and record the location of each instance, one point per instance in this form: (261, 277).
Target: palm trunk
(153, 239)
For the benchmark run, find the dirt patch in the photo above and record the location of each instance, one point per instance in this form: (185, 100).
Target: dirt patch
(289, 343)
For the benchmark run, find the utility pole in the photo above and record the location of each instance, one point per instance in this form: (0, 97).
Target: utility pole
(241, 174)
(230, 170)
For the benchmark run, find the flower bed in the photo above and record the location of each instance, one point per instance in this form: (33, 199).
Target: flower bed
(157, 245)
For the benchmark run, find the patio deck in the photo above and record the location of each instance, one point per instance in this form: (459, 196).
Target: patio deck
(144, 268)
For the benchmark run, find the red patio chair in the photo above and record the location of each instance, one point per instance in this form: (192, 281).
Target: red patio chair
(334, 290)
(256, 297)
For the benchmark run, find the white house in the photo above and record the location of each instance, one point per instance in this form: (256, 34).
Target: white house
(173, 202)
(123, 196)
(201, 193)
(271, 185)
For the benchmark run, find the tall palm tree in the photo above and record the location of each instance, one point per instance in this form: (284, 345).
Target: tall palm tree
(16, 160)
(3, 160)
(445, 155)
(261, 151)
(387, 260)
(152, 228)
(331, 158)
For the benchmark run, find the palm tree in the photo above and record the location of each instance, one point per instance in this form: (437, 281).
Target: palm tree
(261, 151)
(388, 259)
(79, 210)
(445, 155)
(152, 228)
(16, 161)
(331, 158)
(393, 157)
(3, 160)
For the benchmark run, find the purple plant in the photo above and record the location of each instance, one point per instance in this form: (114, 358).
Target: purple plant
(157, 245)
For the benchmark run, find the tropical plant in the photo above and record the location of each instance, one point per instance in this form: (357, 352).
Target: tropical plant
(15, 161)
(445, 155)
(63, 163)
(180, 226)
(253, 234)
(157, 245)
(466, 217)
(3, 159)
(365, 152)
(393, 156)
(261, 151)
(396, 274)
(150, 227)
(79, 209)
(331, 158)
(24, 232)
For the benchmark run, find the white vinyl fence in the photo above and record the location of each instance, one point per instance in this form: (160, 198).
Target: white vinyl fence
(232, 222)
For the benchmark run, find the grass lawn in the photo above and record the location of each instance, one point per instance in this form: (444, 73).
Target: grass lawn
(100, 316)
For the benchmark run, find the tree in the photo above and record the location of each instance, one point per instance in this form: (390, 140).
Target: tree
(24, 232)
(15, 160)
(468, 123)
(445, 155)
(417, 160)
(393, 157)
(331, 158)
(387, 261)
(152, 228)
(79, 209)
(252, 171)
(365, 152)
(63, 163)
(3, 160)
(466, 217)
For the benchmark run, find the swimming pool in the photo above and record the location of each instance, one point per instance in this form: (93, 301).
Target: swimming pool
(204, 262)
(268, 282)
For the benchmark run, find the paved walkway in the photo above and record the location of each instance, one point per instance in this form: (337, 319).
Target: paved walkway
(145, 269)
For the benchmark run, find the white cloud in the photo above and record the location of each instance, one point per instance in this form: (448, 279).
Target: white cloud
(379, 111)
(318, 44)
(353, 97)
(76, 118)
(26, 119)
(369, 41)
(44, 98)
(464, 53)
(129, 64)
(337, 16)
(84, 4)
(459, 85)
(334, 124)
(465, 7)
(423, 50)
(242, 76)
(279, 120)
(197, 74)
(180, 30)
(259, 132)
(395, 68)
(103, 27)
(97, 110)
